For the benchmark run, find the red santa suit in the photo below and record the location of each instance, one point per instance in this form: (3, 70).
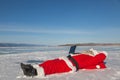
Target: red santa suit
(63, 64)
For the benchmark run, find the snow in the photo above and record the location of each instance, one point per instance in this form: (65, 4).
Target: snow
(10, 66)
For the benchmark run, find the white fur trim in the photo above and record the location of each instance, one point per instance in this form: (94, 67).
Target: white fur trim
(70, 65)
(40, 71)
(104, 52)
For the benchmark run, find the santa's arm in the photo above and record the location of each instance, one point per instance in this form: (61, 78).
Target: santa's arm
(93, 61)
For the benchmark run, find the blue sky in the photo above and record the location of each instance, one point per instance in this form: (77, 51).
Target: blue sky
(59, 21)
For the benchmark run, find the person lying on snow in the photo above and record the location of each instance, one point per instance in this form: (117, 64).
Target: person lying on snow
(86, 60)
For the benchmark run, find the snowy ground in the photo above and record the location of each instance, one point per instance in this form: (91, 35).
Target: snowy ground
(10, 68)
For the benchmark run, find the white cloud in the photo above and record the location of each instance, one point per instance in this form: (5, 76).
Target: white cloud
(47, 31)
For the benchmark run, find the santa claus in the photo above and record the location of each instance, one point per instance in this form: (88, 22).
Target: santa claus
(90, 59)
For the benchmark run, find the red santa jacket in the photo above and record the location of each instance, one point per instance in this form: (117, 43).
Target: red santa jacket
(63, 64)
(90, 62)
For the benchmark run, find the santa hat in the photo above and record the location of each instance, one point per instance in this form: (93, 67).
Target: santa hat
(104, 52)
(95, 52)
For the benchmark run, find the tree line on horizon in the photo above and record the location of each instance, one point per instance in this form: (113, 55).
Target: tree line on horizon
(93, 44)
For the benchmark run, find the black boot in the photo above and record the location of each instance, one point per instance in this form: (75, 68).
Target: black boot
(28, 70)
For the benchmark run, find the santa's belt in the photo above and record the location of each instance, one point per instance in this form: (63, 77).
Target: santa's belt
(73, 61)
